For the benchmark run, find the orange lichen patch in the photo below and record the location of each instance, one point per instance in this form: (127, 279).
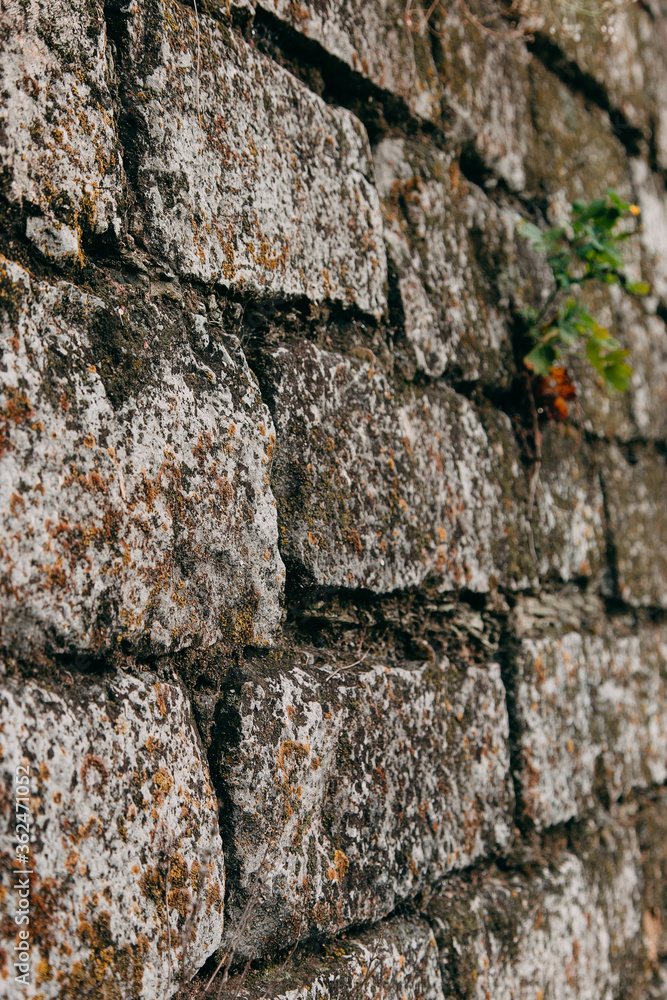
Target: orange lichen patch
(16, 410)
(553, 392)
(164, 784)
(340, 867)
(96, 765)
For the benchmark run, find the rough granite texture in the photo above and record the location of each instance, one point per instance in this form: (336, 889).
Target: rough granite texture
(397, 960)
(351, 790)
(388, 43)
(128, 877)
(336, 642)
(148, 517)
(570, 928)
(591, 713)
(244, 176)
(59, 152)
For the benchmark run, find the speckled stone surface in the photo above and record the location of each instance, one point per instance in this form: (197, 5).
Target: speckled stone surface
(246, 177)
(377, 489)
(591, 713)
(384, 41)
(568, 927)
(124, 823)
(58, 147)
(351, 787)
(134, 497)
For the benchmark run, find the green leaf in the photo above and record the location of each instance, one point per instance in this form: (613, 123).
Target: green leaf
(530, 231)
(541, 358)
(638, 288)
(617, 377)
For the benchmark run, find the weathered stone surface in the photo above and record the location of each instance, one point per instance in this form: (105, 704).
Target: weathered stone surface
(567, 519)
(58, 149)
(635, 485)
(126, 854)
(573, 151)
(134, 496)
(567, 928)
(378, 490)
(621, 57)
(591, 713)
(652, 198)
(245, 177)
(397, 960)
(437, 227)
(351, 787)
(386, 42)
(484, 76)
(651, 826)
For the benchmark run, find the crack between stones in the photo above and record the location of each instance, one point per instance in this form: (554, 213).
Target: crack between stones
(553, 58)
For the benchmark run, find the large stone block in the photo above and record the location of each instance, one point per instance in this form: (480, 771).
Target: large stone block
(385, 42)
(591, 714)
(635, 486)
(349, 787)
(397, 960)
(58, 149)
(126, 870)
(454, 255)
(134, 496)
(566, 537)
(245, 177)
(485, 83)
(569, 926)
(622, 65)
(377, 489)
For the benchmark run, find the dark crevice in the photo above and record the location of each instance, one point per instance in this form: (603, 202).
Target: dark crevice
(331, 78)
(553, 57)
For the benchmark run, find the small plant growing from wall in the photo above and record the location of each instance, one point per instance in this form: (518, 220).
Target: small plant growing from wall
(584, 252)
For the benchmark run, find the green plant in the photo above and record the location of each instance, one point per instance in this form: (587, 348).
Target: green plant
(588, 250)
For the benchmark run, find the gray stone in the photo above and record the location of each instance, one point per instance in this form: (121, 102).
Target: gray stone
(622, 50)
(567, 928)
(386, 42)
(53, 239)
(245, 177)
(351, 786)
(591, 713)
(566, 540)
(485, 82)
(635, 486)
(128, 879)
(398, 959)
(58, 146)
(435, 222)
(134, 496)
(378, 489)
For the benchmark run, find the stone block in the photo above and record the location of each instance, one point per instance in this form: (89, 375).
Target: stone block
(377, 488)
(134, 496)
(485, 83)
(245, 177)
(127, 876)
(59, 152)
(454, 255)
(568, 927)
(618, 57)
(398, 960)
(591, 716)
(566, 539)
(635, 485)
(349, 787)
(383, 41)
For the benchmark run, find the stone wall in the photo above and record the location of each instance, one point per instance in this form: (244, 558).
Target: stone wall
(310, 690)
